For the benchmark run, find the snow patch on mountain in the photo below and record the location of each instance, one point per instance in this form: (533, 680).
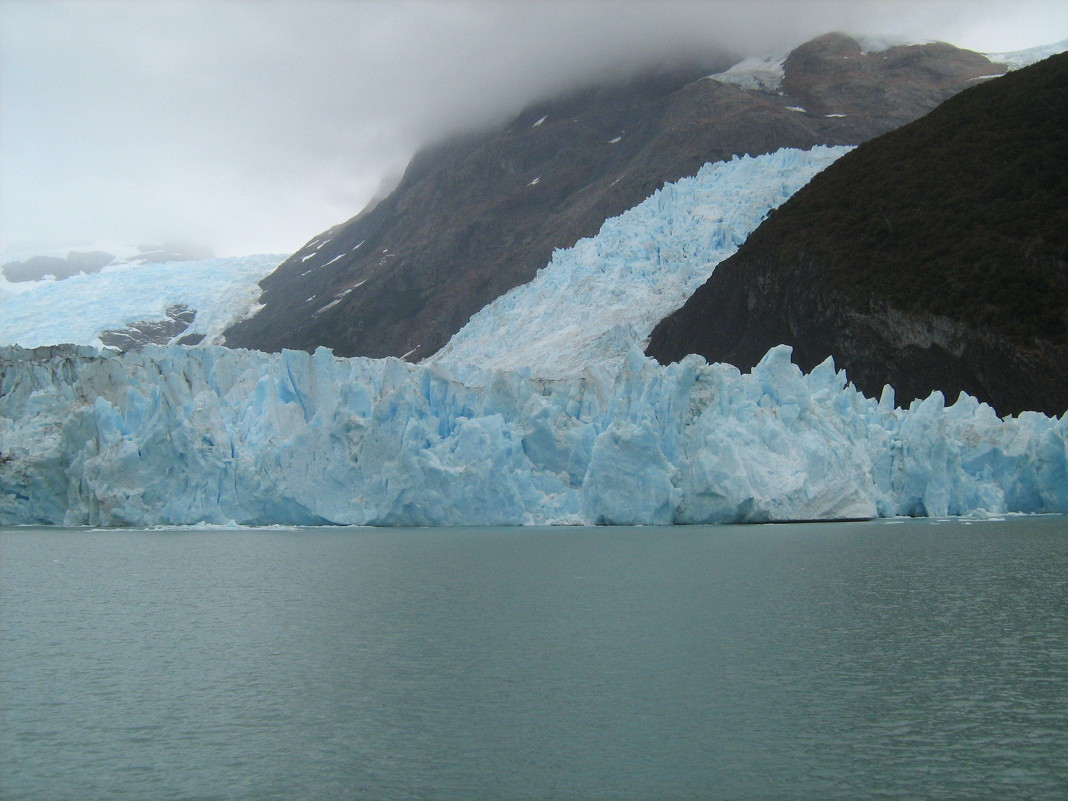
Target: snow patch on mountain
(880, 43)
(762, 74)
(79, 309)
(596, 301)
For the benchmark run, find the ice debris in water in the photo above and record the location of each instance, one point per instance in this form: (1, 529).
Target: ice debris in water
(173, 435)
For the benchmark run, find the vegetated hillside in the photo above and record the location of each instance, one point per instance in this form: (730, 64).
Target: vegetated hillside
(475, 217)
(933, 257)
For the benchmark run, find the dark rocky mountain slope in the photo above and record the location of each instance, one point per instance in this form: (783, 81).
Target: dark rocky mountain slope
(37, 267)
(933, 257)
(77, 262)
(477, 216)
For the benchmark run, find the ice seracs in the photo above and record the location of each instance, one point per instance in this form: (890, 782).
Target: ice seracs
(187, 435)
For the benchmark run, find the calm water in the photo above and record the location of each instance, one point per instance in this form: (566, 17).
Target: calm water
(848, 661)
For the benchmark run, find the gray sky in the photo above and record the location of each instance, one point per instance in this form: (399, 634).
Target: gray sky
(249, 126)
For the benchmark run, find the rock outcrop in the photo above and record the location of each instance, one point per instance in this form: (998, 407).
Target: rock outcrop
(176, 319)
(37, 267)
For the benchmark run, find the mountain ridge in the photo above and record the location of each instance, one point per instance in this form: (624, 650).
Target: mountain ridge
(471, 219)
(932, 258)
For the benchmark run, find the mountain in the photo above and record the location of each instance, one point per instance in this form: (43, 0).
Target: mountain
(78, 262)
(932, 258)
(37, 267)
(476, 216)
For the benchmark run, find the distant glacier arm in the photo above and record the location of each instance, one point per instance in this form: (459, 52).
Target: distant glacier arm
(81, 308)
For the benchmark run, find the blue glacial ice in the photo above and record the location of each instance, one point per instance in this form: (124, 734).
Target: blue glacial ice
(79, 309)
(596, 301)
(175, 435)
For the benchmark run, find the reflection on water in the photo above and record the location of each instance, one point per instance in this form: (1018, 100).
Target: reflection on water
(870, 660)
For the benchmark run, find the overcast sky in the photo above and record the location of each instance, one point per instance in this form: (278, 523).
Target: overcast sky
(248, 126)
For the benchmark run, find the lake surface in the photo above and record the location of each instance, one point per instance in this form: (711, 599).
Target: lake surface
(893, 659)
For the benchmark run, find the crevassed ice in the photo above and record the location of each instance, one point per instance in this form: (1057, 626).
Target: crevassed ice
(596, 301)
(78, 309)
(189, 435)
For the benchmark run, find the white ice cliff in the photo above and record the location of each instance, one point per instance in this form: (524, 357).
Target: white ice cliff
(186, 435)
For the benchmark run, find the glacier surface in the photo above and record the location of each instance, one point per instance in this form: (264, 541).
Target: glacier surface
(173, 435)
(596, 301)
(79, 309)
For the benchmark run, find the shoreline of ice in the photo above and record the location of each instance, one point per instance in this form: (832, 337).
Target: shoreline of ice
(968, 519)
(207, 435)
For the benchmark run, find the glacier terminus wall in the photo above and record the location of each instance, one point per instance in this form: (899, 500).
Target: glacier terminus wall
(173, 435)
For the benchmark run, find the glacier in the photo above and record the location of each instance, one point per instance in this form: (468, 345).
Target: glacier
(182, 436)
(79, 309)
(1017, 59)
(602, 297)
(542, 410)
